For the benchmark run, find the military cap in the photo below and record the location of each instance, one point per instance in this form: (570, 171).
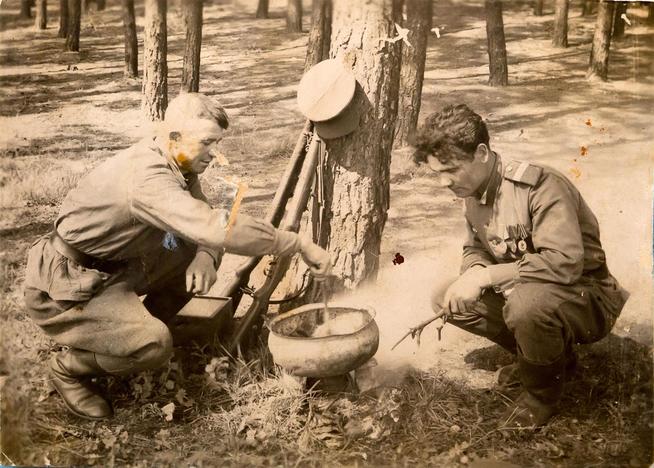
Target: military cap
(325, 97)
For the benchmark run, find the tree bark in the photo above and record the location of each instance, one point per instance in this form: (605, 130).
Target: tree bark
(538, 7)
(320, 35)
(618, 22)
(131, 43)
(191, 67)
(599, 53)
(155, 67)
(63, 18)
(74, 19)
(41, 20)
(356, 170)
(294, 16)
(419, 16)
(25, 8)
(499, 73)
(560, 37)
(100, 4)
(585, 7)
(262, 9)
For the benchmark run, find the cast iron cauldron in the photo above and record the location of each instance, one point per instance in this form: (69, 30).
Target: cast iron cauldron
(296, 343)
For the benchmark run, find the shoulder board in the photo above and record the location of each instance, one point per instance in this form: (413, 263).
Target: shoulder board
(523, 172)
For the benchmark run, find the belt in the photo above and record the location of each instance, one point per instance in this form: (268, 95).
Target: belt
(85, 260)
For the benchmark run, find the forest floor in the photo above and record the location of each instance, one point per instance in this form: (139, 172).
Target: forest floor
(62, 113)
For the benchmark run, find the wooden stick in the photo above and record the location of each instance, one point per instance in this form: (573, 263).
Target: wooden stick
(417, 330)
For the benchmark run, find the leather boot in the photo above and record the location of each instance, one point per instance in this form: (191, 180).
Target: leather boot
(543, 387)
(509, 376)
(71, 372)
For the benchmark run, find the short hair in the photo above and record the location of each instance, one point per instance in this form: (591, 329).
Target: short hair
(451, 134)
(188, 106)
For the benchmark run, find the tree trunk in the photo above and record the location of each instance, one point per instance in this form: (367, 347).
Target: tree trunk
(25, 9)
(599, 53)
(191, 67)
(618, 22)
(650, 14)
(538, 7)
(155, 67)
(262, 9)
(499, 72)
(63, 18)
(585, 7)
(74, 19)
(294, 16)
(131, 43)
(356, 170)
(419, 13)
(100, 4)
(41, 20)
(321, 31)
(560, 37)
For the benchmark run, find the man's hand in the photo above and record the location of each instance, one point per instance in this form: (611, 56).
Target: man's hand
(466, 290)
(318, 259)
(200, 274)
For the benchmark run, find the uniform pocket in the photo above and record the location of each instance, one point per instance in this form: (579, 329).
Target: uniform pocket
(608, 297)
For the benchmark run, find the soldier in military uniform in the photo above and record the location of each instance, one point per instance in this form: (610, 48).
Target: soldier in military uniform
(534, 277)
(139, 225)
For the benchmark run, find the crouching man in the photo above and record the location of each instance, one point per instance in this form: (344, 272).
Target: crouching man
(139, 224)
(534, 277)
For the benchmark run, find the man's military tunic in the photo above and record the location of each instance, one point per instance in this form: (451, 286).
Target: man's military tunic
(540, 242)
(137, 212)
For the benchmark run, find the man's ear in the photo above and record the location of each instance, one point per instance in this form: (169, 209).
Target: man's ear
(482, 153)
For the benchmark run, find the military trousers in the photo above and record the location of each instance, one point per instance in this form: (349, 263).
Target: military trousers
(126, 333)
(542, 321)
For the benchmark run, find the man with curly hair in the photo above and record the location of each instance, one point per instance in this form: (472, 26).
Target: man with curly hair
(534, 277)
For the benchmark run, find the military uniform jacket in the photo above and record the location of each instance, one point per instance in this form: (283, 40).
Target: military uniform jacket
(531, 225)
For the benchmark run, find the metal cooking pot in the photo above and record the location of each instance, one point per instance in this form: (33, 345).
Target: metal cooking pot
(296, 344)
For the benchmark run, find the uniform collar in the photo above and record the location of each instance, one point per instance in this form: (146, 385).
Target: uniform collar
(489, 193)
(172, 164)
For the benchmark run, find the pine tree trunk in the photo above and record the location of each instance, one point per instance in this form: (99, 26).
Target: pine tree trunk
(191, 67)
(294, 16)
(63, 18)
(585, 7)
(599, 53)
(100, 4)
(155, 67)
(131, 43)
(320, 36)
(357, 167)
(650, 14)
(419, 13)
(74, 19)
(538, 7)
(560, 37)
(618, 22)
(499, 72)
(25, 8)
(262, 9)
(41, 20)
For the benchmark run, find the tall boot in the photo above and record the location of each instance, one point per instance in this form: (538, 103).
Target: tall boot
(71, 372)
(543, 387)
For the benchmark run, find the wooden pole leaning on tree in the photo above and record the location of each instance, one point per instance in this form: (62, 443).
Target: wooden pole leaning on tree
(599, 55)
(497, 63)
(155, 66)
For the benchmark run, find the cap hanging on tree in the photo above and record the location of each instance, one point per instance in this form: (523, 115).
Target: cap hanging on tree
(325, 96)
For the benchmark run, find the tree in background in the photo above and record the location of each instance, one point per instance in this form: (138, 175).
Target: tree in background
(618, 21)
(599, 53)
(560, 35)
(131, 43)
(191, 67)
(412, 71)
(538, 7)
(650, 13)
(499, 71)
(63, 18)
(25, 8)
(320, 35)
(356, 170)
(41, 18)
(262, 9)
(587, 7)
(155, 67)
(294, 16)
(74, 19)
